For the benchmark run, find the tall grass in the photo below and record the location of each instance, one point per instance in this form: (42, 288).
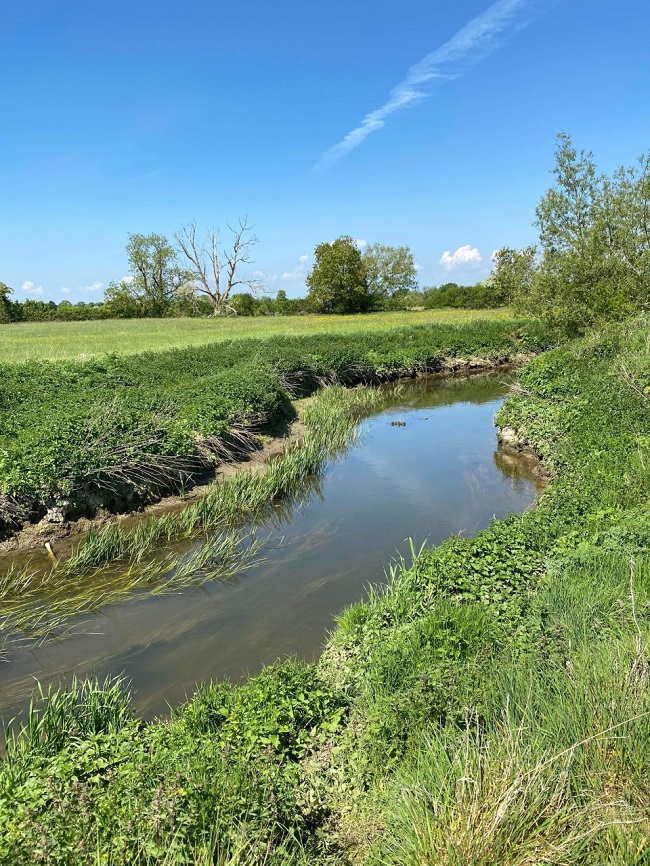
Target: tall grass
(57, 716)
(556, 769)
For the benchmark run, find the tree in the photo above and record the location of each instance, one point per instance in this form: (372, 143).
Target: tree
(6, 307)
(338, 282)
(594, 235)
(389, 271)
(215, 270)
(512, 276)
(122, 302)
(156, 274)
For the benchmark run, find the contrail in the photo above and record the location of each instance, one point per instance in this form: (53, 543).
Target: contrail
(473, 42)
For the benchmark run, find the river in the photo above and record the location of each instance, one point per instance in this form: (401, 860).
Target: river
(425, 467)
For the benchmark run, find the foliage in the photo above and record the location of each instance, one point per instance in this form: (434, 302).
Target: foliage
(390, 271)
(157, 275)
(482, 296)
(6, 307)
(513, 274)
(594, 237)
(338, 282)
(117, 431)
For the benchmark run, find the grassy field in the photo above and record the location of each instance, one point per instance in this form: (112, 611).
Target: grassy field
(58, 341)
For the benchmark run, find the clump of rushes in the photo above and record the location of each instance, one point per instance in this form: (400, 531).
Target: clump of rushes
(115, 562)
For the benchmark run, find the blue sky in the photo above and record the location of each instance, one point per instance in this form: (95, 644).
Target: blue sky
(139, 117)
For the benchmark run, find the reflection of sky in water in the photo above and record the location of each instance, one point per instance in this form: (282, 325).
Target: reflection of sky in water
(427, 480)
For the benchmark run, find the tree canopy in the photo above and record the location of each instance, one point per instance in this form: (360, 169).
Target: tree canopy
(338, 282)
(594, 242)
(389, 270)
(155, 269)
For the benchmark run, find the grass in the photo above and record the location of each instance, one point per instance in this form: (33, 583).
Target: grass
(489, 707)
(118, 432)
(56, 341)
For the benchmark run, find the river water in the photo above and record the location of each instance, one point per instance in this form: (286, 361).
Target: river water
(436, 473)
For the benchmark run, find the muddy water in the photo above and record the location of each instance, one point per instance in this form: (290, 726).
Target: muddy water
(435, 473)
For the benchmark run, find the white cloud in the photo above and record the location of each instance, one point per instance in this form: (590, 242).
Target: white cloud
(298, 273)
(418, 267)
(493, 257)
(96, 287)
(361, 243)
(464, 257)
(65, 291)
(473, 42)
(31, 289)
(129, 279)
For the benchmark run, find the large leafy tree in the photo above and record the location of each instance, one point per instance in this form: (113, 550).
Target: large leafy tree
(390, 271)
(512, 277)
(5, 304)
(594, 237)
(156, 272)
(338, 282)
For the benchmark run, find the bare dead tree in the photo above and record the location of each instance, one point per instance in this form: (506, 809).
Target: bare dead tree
(215, 269)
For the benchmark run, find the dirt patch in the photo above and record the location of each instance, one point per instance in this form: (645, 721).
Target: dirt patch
(513, 446)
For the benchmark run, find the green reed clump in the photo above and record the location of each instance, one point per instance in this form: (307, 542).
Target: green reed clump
(57, 717)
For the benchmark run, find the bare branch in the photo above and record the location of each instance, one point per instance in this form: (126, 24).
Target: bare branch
(215, 271)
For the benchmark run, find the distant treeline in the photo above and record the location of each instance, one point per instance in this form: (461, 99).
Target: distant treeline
(449, 295)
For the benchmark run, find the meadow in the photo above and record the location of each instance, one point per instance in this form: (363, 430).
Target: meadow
(56, 341)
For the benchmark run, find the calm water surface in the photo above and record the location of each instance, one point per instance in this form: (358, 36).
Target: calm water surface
(436, 475)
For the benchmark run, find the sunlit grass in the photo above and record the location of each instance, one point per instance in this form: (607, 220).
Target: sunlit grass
(82, 340)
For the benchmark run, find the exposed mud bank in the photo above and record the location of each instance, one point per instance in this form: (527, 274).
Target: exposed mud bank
(60, 533)
(513, 445)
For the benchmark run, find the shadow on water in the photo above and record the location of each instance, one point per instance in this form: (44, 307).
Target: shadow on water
(425, 468)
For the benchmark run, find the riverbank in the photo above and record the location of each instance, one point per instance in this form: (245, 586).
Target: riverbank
(117, 434)
(56, 540)
(489, 707)
(424, 466)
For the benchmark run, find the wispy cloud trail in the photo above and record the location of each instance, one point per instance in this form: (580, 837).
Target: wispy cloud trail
(476, 40)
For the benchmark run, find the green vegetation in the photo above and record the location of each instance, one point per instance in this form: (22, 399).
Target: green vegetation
(594, 243)
(117, 431)
(59, 341)
(346, 280)
(116, 562)
(338, 282)
(490, 706)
